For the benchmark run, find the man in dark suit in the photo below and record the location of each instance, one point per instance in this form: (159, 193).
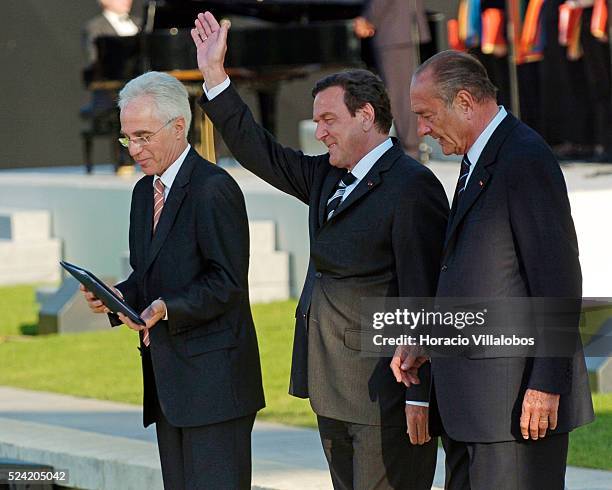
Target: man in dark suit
(114, 20)
(376, 222)
(504, 420)
(101, 110)
(398, 28)
(189, 251)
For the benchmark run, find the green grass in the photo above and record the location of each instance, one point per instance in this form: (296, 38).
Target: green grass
(274, 324)
(18, 308)
(591, 445)
(103, 365)
(106, 365)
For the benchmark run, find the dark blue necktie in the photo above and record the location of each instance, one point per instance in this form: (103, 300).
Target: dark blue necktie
(334, 201)
(463, 177)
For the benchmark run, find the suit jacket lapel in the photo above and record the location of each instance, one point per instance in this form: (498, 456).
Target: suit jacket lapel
(480, 176)
(178, 191)
(476, 184)
(370, 180)
(148, 221)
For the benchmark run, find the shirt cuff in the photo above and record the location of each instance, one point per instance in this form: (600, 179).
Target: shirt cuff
(418, 404)
(216, 90)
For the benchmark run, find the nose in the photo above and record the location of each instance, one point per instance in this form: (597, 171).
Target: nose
(320, 132)
(134, 148)
(422, 128)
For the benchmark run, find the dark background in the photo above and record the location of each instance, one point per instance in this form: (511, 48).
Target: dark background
(40, 81)
(42, 91)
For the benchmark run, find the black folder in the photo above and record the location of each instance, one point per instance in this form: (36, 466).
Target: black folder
(102, 292)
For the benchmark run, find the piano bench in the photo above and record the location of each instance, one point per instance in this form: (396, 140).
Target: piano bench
(102, 125)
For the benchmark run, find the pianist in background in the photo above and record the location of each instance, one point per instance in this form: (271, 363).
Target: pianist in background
(398, 28)
(114, 20)
(377, 222)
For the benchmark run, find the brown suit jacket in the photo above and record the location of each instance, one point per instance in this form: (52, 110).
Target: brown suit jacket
(398, 22)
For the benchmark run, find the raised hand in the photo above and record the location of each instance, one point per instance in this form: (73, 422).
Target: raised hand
(210, 40)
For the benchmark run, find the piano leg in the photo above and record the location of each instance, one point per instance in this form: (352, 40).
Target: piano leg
(87, 138)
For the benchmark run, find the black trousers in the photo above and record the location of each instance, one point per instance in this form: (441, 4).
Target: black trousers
(215, 456)
(513, 465)
(367, 457)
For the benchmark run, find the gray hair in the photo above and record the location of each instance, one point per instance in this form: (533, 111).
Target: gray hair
(169, 96)
(453, 71)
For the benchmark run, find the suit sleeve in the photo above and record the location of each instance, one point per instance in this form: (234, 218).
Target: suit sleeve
(419, 226)
(547, 246)
(286, 169)
(223, 241)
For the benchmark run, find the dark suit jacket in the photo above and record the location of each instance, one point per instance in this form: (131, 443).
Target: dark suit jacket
(383, 240)
(204, 359)
(398, 22)
(512, 235)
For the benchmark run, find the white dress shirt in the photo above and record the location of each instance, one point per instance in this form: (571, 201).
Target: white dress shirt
(365, 164)
(169, 174)
(123, 25)
(475, 150)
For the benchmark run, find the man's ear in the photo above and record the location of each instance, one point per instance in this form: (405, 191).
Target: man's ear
(179, 126)
(465, 102)
(367, 115)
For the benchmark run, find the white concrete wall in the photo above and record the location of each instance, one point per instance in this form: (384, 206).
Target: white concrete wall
(28, 253)
(90, 215)
(592, 211)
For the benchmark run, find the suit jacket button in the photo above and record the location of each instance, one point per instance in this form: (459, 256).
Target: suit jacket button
(444, 268)
(318, 274)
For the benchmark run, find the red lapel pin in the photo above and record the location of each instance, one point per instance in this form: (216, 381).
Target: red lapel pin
(481, 183)
(370, 183)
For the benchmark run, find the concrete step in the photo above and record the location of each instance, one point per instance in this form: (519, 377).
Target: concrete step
(268, 268)
(268, 276)
(28, 262)
(262, 236)
(104, 446)
(22, 225)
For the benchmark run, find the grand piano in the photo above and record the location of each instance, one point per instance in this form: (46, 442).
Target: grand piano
(270, 41)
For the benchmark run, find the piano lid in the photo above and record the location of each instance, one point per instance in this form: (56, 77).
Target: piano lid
(181, 13)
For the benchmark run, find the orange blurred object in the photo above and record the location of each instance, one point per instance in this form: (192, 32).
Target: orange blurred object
(569, 29)
(493, 39)
(454, 42)
(599, 20)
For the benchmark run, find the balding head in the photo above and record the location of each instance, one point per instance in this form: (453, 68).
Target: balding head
(452, 71)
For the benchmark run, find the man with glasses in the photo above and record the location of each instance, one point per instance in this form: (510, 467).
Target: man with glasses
(189, 250)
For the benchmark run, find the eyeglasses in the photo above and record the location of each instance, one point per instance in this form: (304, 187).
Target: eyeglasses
(141, 141)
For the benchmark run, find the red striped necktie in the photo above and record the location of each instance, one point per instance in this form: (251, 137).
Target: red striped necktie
(158, 201)
(158, 204)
